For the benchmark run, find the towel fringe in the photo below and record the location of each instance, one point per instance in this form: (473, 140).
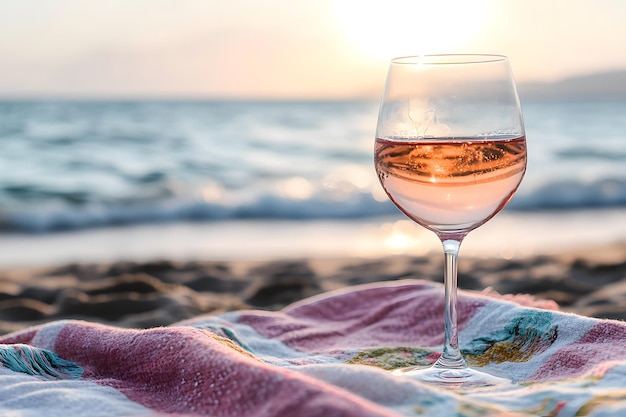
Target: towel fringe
(38, 362)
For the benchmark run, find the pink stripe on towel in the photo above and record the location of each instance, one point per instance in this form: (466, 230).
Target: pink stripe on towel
(327, 356)
(375, 316)
(187, 370)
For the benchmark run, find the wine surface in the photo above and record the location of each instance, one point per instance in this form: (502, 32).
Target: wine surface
(450, 186)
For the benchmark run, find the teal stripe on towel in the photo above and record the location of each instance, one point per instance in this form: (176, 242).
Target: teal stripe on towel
(38, 362)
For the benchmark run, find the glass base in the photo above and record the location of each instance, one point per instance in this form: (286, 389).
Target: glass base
(452, 378)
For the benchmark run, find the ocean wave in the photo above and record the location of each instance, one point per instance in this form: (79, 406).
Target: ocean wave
(587, 153)
(608, 192)
(272, 206)
(77, 165)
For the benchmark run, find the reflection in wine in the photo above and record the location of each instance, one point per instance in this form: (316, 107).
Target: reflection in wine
(451, 186)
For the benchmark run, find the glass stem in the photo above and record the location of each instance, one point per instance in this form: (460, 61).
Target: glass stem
(451, 357)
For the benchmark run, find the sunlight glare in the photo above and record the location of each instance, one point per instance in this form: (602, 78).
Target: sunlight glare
(296, 188)
(403, 237)
(212, 192)
(391, 28)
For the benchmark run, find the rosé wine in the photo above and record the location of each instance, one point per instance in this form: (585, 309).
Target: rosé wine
(450, 185)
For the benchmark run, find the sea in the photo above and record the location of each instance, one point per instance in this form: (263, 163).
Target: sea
(107, 180)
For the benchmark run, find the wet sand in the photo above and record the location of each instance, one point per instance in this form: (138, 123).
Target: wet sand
(588, 281)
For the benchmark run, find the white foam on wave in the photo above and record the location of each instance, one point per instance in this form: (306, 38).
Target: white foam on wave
(74, 165)
(300, 204)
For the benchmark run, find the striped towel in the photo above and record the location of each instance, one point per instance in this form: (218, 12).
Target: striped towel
(325, 356)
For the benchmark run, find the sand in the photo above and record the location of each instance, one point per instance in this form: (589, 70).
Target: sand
(590, 281)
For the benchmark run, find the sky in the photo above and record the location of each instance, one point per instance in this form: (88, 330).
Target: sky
(286, 48)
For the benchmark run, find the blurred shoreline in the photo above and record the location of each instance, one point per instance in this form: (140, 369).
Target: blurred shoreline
(127, 289)
(510, 235)
(156, 275)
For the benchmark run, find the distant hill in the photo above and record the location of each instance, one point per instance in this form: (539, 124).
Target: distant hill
(605, 85)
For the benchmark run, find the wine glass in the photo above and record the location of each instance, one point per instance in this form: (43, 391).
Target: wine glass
(450, 153)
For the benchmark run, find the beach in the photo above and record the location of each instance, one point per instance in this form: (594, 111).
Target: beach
(108, 231)
(156, 276)
(238, 209)
(145, 213)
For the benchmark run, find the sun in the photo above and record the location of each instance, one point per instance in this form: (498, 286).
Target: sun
(384, 29)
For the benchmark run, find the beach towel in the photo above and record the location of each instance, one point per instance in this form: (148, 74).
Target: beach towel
(325, 356)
